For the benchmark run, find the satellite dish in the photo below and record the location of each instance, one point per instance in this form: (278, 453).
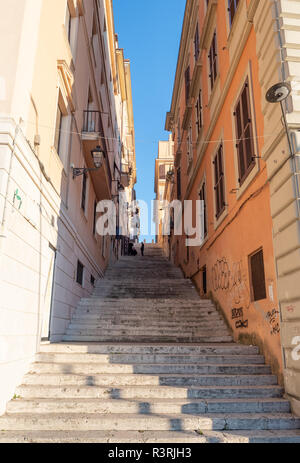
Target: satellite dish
(278, 92)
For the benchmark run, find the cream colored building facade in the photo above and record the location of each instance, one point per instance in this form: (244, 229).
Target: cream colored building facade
(164, 165)
(58, 99)
(277, 30)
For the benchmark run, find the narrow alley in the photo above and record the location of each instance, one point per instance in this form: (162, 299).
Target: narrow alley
(146, 360)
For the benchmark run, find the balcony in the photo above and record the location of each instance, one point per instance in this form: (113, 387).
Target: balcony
(92, 125)
(93, 135)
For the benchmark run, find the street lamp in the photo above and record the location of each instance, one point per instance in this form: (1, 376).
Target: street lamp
(277, 94)
(98, 156)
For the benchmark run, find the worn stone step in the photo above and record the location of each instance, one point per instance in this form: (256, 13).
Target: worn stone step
(162, 437)
(139, 331)
(119, 379)
(151, 348)
(147, 368)
(146, 338)
(136, 392)
(136, 422)
(133, 359)
(138, 318)
(154, 406)
(86, 323)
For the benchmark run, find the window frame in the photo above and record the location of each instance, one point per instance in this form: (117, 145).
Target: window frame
(219, 181)
(213, 63)
(235, 4)
(199, 113)
(203, 197)
(187, 80)
(80, 273)
(83, 201)
(241, 129)
(197, 42)
(260, 296)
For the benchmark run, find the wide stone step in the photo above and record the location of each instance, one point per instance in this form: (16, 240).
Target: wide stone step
(154, 406)
(133, 359)
(119, 379)
(151, 348)
(133, 318)
(86, 323)
(146, 338)
(136, 392)
(148, 368)
(148, 422)
(139, 331)
(162, 437)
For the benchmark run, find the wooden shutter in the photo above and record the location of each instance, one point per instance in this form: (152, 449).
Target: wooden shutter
(258, 276)
(213, 61)
(187, 84)
(202, 195)
(162, 172)
(197, 42)
(83, 194)
(219, 182)
(244, 134)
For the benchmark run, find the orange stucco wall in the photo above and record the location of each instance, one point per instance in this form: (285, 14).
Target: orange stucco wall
(247, 226)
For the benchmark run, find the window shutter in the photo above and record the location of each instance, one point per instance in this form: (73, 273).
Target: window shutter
(258, 276)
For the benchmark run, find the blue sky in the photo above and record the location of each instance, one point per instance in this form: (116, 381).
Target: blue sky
(149, 32)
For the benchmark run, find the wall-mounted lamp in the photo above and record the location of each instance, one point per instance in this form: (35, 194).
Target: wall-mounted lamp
(277, 94)
(98, 156)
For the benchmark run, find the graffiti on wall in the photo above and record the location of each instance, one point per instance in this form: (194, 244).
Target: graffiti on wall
(233, 280)
(239, 314)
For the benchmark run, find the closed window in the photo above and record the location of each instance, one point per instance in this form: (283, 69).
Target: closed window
(257, 275)
(199, 121)
(190, 146)
(83, 192)
(58, 129)
(202, 197)
(232, 7)
(178, 183)
(187, 84)
(213, 61)
(79, 274)
(162, 172)
(244, 134)
(197, 42)
(95, 218)
(219, 182)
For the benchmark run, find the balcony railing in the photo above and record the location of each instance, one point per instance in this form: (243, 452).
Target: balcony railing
(92, 122)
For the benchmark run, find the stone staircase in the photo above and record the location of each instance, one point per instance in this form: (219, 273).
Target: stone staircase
(146, 360)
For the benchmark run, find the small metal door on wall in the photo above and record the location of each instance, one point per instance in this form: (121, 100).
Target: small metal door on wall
(48, 294)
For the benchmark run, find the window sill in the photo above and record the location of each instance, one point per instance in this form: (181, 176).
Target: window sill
(221, 218)
(248, 180)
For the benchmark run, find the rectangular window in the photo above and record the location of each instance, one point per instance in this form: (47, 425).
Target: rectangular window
(79, 274)
(204, 280)
(187, 84)
(199, 121)
(178, 183)
(162, 172)
(244, 134)
(213, 61)
(219, 182)
(95, 218)
(202, 197)
(257, 273)
(190, 146)
(92, 280)
(232, 7)
(58, 127)
(178, 131)
(197, 42)
(83, 193)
